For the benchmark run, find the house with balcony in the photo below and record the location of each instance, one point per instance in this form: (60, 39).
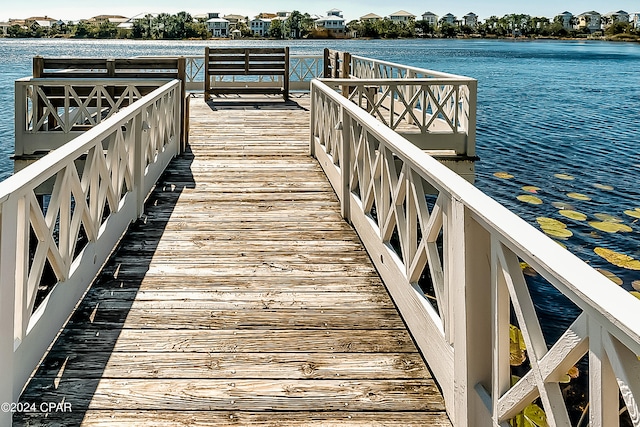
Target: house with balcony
(260, 26)
(591, 21)
(634, 18)
(402, 17)
(470, 20)
(333, 23)
(217, 27)
(566, 19)
(614, 17)
(449, 19)
(431, 18)
(4, 28)
(234, 20)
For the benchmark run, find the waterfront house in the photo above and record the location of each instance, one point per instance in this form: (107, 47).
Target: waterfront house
(112, 19)
(234, 20)
(333, 23)
(591, 20)
(217, 27)
(39, 21)
(4, 28)
(470, 20)
(449, 19)
(402, 16)
(614, 17)
(370, 17)
(566, 19)
(431, 18)
(635, 20)
(260, 26)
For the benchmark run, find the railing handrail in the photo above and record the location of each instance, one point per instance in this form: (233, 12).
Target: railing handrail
(433, 73)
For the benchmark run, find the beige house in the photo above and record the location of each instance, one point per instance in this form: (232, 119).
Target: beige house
(370, 17)
(234, 20)
(113, 19)
(402, 16)
(591, 20)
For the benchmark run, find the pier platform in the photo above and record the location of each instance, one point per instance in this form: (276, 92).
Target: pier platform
(241, 297)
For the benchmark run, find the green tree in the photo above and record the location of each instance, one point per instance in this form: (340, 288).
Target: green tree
(276, 30)
(106, 30)
(294, 24)
(82, 30)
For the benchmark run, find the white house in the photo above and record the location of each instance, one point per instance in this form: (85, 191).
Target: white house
(470, 20)
(260, 26)
(635, 20)
(565, 18)
(591, 20)
(431, 18)
(449, 19)
(402, 16)
(218, 27)
(333, 22)
(4, 27)
(613, 17)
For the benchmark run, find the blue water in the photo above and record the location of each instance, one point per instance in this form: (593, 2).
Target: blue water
(544, 107)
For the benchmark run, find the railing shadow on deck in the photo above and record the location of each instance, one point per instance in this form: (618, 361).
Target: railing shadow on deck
(74, 371)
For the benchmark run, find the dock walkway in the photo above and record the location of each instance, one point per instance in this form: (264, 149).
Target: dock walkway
(240, 298)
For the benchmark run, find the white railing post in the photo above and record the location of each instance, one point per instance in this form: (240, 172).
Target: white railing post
(8, 243)
(139, 163)
(468, 275)
(20, 116)
(345, 165)
(603, 387)
(470, 149)
(312, 121)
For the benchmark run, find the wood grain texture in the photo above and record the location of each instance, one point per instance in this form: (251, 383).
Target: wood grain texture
(239, 298)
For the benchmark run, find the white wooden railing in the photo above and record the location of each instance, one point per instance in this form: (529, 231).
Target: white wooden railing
(51, 112)
(100, 181)
(471, 248)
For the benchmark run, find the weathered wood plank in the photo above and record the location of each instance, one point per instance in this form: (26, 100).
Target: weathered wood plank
(109, 418)
(262, 365)
(101, 317)
(240, 394)
(237, 341)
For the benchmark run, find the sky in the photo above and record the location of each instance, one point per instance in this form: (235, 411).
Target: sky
(352, 9)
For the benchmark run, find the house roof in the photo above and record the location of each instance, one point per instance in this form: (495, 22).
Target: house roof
(402, 13)
(592, 12)
(330, 18)
(371, 16)
(429, 13)
(470, 14)
(334, 10)
(449, 15)
(217, 20)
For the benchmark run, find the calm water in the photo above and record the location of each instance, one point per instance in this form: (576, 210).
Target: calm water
(544, 107)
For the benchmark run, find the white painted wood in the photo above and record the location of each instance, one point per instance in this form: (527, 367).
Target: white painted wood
(626, 368)
(603, 389)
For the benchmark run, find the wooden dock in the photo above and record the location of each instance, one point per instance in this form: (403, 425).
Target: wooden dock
(240, 298)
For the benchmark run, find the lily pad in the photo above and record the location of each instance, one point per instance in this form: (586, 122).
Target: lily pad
(554, 228)
(578, 216)
(579, 196)
(503, 175)
(562, 205)
(527, 270)
(517, 347)
(530, 188)
(637, 295)
(609, 275)
(635, 213)
(527, 198)
(564, 176)
(603, 187)
(610, 227)
(618, 259)
(607, 218)
(636, 285)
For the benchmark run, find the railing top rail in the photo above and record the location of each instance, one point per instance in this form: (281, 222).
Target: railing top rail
(400, 81)
(40, 171)
(587, 288)
(96, 79)
(408, 67)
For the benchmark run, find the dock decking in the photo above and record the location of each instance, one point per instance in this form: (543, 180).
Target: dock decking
(240, 298)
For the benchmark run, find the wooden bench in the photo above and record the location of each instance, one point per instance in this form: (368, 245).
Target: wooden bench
(120, 68)
(257, 62)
